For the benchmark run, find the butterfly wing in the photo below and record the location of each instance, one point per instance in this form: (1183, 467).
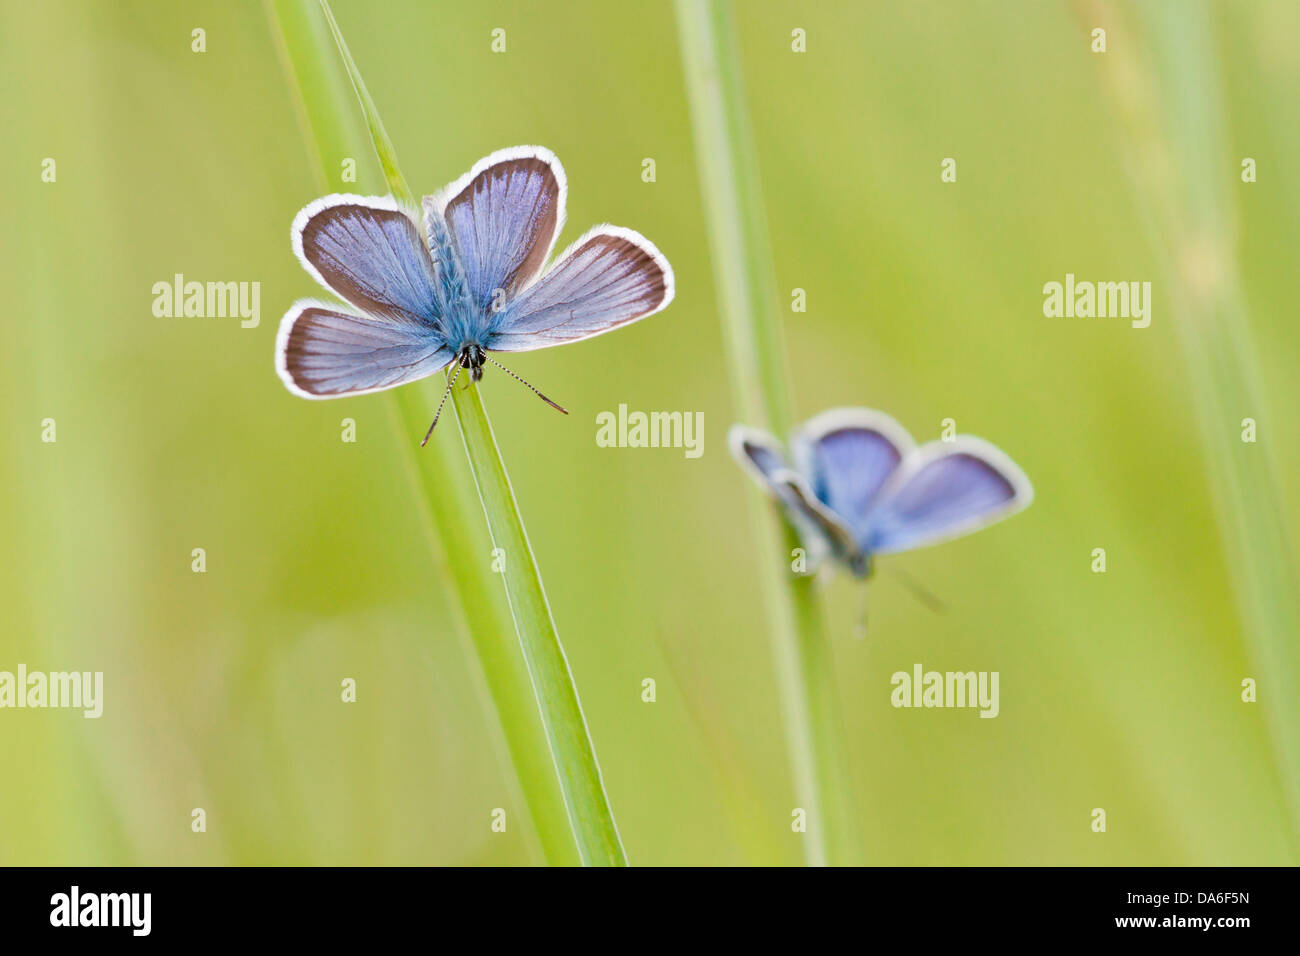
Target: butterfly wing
(368, 250)
(944, 490)
(608, 278)
(757, 451)
(819, 528)
(321, 352)
(847, 455)
(817, 524)
(503, 217)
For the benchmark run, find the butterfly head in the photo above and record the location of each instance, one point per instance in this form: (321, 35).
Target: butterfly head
(472, 357)
(860, 564)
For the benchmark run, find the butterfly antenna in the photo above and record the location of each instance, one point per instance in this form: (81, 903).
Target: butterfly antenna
(919, 591)
(522, 382)
(438, 413)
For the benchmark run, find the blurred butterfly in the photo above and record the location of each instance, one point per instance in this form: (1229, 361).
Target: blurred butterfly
(466, 279)
(859, 486)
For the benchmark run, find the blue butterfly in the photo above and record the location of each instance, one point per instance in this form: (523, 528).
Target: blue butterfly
(468, 279)
(859, 486)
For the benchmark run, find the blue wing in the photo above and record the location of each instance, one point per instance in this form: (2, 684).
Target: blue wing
(758, 451)
(944, 490)
(369, 251)
(321, 352)
(503, 217)
(821, 531)
(819, 527)
(608, 278)
(847, 455)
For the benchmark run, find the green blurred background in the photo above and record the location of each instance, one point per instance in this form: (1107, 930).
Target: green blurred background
(1119, 691)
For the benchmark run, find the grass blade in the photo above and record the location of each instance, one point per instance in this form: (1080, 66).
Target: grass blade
(746, 289)
(374, 125)
(1169, 97)
(443, 482)
(557, 697)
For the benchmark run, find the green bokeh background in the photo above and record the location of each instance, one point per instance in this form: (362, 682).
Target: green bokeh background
(1119, 691)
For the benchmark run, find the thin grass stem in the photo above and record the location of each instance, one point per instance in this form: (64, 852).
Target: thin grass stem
(747, 300)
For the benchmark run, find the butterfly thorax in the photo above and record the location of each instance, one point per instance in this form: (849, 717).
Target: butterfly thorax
(458, 317)
(860, 565)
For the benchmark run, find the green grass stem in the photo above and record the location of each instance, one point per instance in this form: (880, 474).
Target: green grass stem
(533, 691)
(1165, 81)
(747, 301)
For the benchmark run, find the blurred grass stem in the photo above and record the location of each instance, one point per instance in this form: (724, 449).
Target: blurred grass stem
(1167, 88)
(747, 299)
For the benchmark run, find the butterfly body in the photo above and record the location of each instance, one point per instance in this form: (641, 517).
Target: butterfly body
(860, 565)
(465, 276)
(462, 323)
(857, 486)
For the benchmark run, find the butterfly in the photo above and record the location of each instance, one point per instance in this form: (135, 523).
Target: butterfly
(859, 486)
(466, 278)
